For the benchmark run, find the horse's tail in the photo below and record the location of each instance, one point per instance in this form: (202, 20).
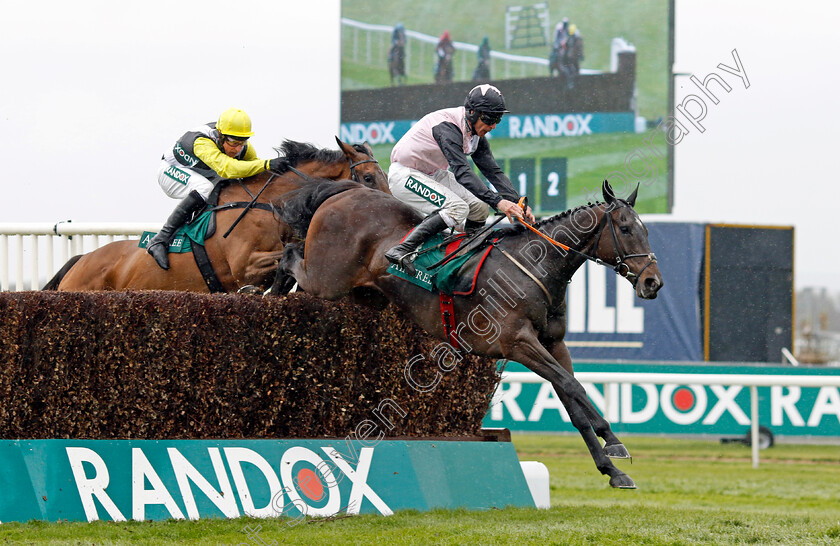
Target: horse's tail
(53, 283)
(299, 206)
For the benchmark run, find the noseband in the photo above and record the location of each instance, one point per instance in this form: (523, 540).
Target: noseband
(620, 256)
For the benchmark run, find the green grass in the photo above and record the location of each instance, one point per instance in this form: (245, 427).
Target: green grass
(690, 492)
(643, 24)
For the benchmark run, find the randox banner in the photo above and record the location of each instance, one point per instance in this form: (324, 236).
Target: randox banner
(676, 408)
(119, 480)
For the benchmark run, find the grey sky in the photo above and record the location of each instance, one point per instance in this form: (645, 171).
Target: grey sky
(93, 91)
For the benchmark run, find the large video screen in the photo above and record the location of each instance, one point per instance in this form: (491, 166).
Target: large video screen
(587, 83)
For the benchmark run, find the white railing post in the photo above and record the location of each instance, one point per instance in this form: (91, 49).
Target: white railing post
(4, 262)
(34, 281)
(19, 252)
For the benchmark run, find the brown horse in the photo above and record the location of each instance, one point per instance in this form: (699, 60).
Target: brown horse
(517, 310)
(248, 256)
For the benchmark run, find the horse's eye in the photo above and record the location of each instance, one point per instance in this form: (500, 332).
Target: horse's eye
(624, 229)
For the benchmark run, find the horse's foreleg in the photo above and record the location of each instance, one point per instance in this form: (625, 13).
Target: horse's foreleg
(284, 278)
(613, 447)
(529, 352)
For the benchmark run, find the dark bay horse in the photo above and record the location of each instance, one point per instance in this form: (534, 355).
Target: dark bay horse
(248, 256)
(517, 310)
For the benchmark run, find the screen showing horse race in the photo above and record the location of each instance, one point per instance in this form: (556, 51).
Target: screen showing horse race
(587, 84)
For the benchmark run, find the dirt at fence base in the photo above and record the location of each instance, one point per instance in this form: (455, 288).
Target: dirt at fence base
(164, 365)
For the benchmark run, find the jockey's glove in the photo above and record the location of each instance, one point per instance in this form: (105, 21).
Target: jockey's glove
(278, 165)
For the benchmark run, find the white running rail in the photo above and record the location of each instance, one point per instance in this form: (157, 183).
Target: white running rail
(30, 254)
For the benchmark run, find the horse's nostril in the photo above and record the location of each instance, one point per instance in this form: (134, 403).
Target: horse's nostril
(653, 283)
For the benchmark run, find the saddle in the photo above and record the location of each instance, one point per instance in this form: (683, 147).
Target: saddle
(450, 264)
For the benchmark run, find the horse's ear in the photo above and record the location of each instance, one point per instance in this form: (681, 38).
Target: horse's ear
(346, 148)
(606, 189)
(632, 199)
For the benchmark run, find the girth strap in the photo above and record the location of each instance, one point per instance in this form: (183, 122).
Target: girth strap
(447, 306)
(447, 316)
(206, 268)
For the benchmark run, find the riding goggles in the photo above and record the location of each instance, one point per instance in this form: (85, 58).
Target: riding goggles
(490, 118)
(233, 141)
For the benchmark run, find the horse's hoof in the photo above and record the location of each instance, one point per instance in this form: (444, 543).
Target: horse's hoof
(616, 451)
(622, 481)
(249, 289)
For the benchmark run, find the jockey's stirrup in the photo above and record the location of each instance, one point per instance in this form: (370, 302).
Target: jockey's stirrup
(402, 254)
(158, 247)
(473, 225)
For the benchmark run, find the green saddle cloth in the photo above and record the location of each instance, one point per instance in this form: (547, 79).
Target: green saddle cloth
(184, 237)
(441, 279)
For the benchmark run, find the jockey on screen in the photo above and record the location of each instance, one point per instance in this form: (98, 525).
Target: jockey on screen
(200, 159)
(430, 171)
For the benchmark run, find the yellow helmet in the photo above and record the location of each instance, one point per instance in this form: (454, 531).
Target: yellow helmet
(235, 122)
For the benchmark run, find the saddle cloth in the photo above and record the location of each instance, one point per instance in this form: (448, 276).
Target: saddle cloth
(456, 277)
(196, 231)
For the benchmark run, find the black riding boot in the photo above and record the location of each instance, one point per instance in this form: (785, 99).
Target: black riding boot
(158, 247)
(474, 225)
(401, 254)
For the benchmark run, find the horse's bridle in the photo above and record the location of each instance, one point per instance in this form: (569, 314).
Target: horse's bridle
(621, 267)
(353, 175)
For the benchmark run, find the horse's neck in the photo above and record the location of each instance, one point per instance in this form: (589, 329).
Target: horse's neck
(334, 171)
(577, 235)
(252, 186)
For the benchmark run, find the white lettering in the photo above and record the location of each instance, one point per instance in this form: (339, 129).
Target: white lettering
(235, 457)
(785, 404)
(726, 402)
(547, 399)
(358, 478)
(827, 403)
(92, 487)
(647, 412)
(141, 470)
(601, 317)
(186, 472)
(506, 398)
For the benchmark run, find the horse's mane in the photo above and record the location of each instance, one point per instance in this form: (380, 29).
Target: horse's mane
(519, 228)
(294, 153)
(298, 206)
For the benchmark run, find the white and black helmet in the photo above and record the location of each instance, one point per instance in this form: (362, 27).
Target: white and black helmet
(485, 99)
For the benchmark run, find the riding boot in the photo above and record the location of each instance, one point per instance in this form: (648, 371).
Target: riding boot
(473, 225)
(158, 247)
(402, 253)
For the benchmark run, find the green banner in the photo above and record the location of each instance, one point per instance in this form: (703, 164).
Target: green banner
(87, 480)
(677, 407)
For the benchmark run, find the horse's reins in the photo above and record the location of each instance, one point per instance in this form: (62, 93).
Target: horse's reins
(249, 206)
(620, 267)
